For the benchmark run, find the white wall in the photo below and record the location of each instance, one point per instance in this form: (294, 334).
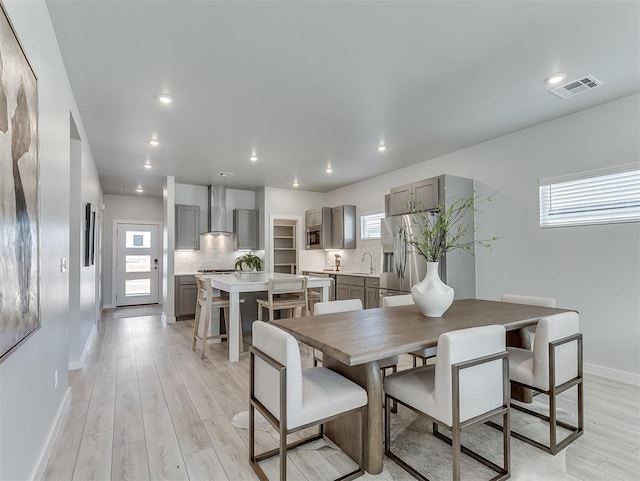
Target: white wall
(29, 403)
(84, 318)
(595, 269)
(123, 207)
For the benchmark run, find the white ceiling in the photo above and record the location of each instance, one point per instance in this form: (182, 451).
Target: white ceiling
(308, 83)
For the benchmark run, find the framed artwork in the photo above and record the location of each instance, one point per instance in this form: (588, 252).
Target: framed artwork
(19, 196)
(89, 235)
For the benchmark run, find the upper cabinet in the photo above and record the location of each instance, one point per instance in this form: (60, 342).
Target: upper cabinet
(316, 217)
(245, 228)
(421, 195)
(187, 227)
(343, 227)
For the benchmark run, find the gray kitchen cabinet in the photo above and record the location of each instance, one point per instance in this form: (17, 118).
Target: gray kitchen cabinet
(350, 287)
(372, 298)
(421, 195)
(186, 295)
(315, 217)
(245, 228)
(372, 292)
(343, 227)
(187, 227)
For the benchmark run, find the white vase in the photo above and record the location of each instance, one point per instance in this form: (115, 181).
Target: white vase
(431, 295)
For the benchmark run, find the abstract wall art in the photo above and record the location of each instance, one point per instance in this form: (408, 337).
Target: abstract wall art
(19, 203)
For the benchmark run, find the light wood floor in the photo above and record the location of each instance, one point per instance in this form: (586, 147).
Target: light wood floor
(146, 407)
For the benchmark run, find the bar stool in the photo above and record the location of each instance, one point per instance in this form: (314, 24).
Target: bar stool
(205, 304)
(315, 295)
(290, 294)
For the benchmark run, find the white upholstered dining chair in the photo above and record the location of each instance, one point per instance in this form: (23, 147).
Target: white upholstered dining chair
(553, 367)
(532, 301)
(467, 385)
(407, 300)
(292, 398)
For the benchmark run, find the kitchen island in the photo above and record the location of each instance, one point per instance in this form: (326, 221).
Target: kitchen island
(239, 282)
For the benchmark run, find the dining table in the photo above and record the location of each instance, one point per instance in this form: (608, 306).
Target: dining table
(353, 342)
(236, 283)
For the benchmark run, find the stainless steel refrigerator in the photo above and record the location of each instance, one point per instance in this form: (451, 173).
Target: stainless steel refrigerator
(402, 266)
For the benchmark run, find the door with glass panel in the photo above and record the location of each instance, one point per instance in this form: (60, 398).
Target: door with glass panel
(137, 264)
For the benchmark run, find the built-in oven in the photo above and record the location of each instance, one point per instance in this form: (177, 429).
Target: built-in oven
(314, 237)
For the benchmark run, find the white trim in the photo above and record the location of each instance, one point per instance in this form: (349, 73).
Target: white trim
(53, 435)
(114, 254)
(613, 374)
(168, 320)
(77, 364)
(108, 306)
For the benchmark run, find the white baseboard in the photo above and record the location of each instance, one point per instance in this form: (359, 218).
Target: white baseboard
(109, 306)
(77, 364)
(53, 435)
(614, 374)
(168, 319)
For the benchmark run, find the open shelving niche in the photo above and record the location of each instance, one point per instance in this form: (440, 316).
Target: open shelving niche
(284, 245)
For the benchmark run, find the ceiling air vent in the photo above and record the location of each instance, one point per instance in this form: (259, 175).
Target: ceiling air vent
(225, 174)
(576, 87)
(127, 191)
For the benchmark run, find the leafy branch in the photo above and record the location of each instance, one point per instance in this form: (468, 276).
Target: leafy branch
(432, 236)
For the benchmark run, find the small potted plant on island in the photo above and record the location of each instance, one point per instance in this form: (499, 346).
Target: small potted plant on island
(248, 262)
(432, 235)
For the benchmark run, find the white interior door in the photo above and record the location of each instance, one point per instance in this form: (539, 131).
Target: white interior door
(137, 261)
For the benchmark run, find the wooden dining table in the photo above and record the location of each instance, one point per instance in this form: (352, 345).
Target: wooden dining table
(353, 342)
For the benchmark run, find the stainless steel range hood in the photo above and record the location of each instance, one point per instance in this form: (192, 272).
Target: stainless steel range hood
(218, 210)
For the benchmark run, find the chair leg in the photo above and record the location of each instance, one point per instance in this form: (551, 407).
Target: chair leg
(283, 453)
(506, 441)
(456, 454)
(205, 332)
(415, 361)
(196, 325)
(260, 311)
(271, 318)
(387, 426)
(225, 312)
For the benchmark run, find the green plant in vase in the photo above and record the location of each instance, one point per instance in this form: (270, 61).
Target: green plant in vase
(434, 233)
(248, 262)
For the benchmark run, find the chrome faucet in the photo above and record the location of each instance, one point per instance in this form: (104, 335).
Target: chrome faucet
(370, 261)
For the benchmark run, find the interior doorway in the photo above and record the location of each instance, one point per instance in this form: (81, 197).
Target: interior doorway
(137, 259)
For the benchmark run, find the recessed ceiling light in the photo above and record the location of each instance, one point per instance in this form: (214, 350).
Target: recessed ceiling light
(147, 165)
(295, 183)
(329, 170)
(253, 158)
(382, 147)
(154, 142)
(165, 99)
(139, 190)
(556, 78)
(225, 174)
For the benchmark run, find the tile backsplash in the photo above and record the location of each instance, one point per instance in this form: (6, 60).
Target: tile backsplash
(216, 252)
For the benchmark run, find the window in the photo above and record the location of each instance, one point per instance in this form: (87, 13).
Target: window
(597, 197)
(370, 226)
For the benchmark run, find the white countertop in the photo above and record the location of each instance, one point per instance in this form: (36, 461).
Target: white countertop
(345, 273)
(257, 281)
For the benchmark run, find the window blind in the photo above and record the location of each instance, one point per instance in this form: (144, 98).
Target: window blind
(370, 226)
(596, 197)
